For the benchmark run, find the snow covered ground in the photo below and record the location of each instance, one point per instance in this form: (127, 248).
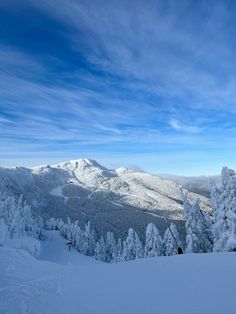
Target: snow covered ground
(62, 281)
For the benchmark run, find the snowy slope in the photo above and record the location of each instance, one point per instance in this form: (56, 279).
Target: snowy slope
(111, 199)
(69, 283)
(54, 249)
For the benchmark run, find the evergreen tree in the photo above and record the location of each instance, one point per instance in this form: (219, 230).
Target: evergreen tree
(16, 215)
(139, 252)
(4, 233)
(51, 224)
(198, 228)
(90, 239)
(110, 247)
(130, 246)
(125, 253)
(171, 241)
(224, 204)
(117, 256)
(154, 243)
(100, 250)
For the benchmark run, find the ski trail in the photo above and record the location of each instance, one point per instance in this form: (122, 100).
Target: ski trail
(54, 249)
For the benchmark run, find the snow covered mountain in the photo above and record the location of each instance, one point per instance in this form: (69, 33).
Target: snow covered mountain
(112, 200)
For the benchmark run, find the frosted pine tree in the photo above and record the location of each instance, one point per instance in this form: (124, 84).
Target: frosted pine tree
(16, 216)
(51, 224)
(117, 256)
(110, 246)
(4, 233)
(154, 243)
(139, 252)
(206, 236)
(90, 238)
(125, 255)
(87, 241)
(79, 238)
(130, 246)
(224, 201)
(25, 212)
(100, 250)
(192, 241)
(198, 228)
(171, 241)
(37, 227)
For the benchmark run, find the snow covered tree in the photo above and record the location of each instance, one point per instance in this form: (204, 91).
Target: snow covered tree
(224, 204)
(130, 246)
(68, 229)
(79, 238)
(125, 253)
(139, 251)
(100, 250)
(154, 243)
(37, 227)
(17, 216)
(4, 233)
(90, 239)
(171, 241)
(51, 224)
(110, 247)
(117, 256)
(191, 236)
(198, 228)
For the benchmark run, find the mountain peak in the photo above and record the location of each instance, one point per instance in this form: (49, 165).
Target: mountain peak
(81, 163)
(85, 162)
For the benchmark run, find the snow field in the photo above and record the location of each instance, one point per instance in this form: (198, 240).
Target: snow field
(71, 283)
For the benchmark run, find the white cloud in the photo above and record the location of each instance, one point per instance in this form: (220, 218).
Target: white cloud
(181, 127)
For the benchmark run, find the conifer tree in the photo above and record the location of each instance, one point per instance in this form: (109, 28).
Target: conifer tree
(110, 246)
(139, 252)
(171, 241)
(224, 204)
(100, 250)
(198, 228)
(154, 243)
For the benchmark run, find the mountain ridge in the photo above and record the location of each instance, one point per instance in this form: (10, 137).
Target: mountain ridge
(112, 199)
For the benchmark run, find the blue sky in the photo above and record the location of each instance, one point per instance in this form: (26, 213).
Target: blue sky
(148, 84)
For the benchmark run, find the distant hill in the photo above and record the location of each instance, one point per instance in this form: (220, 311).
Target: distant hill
(199, 185)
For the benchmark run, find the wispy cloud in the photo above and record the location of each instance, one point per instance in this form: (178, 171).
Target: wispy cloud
(156, 43)
(180, 126)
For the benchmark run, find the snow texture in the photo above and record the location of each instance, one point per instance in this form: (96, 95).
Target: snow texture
(65, 282)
